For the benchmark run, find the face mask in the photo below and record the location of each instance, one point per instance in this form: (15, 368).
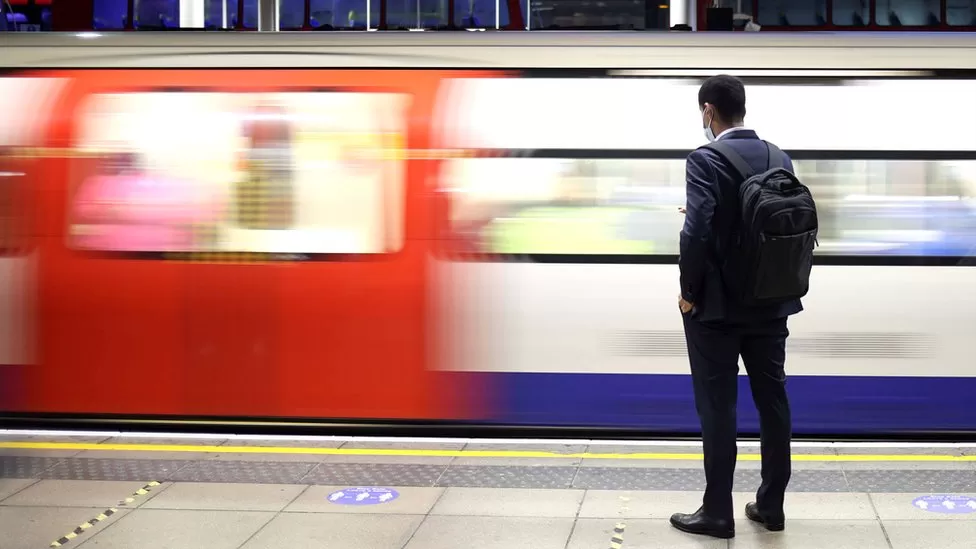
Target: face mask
(709, 134)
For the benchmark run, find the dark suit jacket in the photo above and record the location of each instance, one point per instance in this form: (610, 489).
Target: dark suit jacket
(712, 207)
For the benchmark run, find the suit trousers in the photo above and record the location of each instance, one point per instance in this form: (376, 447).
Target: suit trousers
(714, 349)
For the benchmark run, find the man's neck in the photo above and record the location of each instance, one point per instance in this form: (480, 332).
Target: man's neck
(722, 128)
(729, 129)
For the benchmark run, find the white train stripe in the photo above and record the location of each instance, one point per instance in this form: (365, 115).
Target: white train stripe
(568, 318)
(662, 114)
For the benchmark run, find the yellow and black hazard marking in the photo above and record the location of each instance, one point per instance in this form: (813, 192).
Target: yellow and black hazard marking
(617, 539)
(84, 526)
(103, 515)
(140, 492)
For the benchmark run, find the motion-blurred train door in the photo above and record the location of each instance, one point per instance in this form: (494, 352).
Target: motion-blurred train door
(240, 243)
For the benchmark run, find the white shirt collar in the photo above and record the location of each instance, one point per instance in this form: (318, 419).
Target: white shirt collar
(730, 130)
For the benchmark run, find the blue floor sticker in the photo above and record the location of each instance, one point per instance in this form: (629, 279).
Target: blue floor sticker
(946, 504)
(363, 496)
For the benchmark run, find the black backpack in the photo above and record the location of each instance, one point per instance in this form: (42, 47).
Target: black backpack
(772, 246)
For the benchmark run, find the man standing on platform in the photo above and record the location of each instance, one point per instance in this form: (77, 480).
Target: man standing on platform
(746, 250)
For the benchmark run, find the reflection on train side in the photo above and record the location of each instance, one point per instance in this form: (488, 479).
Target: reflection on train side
(630, 206)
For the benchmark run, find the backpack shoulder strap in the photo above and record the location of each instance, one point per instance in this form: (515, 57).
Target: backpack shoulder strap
(729, 154)
(776, 156)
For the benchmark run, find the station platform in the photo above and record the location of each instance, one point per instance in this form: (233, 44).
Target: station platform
(116, 490)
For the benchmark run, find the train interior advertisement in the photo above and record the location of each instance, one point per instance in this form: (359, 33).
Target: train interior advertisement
(485, 246)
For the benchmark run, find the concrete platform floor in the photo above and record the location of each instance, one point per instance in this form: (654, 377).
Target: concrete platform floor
(187, 494)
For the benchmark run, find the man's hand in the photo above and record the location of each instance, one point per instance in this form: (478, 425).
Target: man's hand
(685, 306)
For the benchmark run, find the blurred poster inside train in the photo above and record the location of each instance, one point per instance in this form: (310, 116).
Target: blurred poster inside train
(298, 173)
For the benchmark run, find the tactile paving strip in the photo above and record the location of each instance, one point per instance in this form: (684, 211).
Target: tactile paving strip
(508, 477)
(143, 470)
(25, 466)
(804, 480)
(912, 481)
(375, 474)
(639, 478)
(247, 472)
(688, 480)
(488, 476)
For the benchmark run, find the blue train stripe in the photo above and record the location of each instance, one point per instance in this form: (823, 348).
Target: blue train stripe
(664, 403)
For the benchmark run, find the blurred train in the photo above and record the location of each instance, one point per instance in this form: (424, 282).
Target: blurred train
(477, 228)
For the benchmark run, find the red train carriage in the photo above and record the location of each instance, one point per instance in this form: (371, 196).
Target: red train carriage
(320, 310)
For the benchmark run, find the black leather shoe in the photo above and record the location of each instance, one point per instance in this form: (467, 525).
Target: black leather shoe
(699, 523)
(773, 525)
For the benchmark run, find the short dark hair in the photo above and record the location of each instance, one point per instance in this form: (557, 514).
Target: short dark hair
(727, 95)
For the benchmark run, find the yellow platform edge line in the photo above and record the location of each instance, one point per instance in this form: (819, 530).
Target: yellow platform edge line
(452, 453)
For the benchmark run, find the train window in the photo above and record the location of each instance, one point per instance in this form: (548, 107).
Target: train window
(223, 13)
(25, 15)
(475, 14)
(609, 179)
(250, 13)
(905, 207)
(291, 14)
(503, 15)
(340, 14)
(220, 14)
(306, 173)
(566, 205)
(433, 13)
(410, 14)
(792, 13)
(961, 13)
(583, 14)
(630, 206)
(156, 14)
(109, 14)
(741, 10)
(851, 13)
(908, 13)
